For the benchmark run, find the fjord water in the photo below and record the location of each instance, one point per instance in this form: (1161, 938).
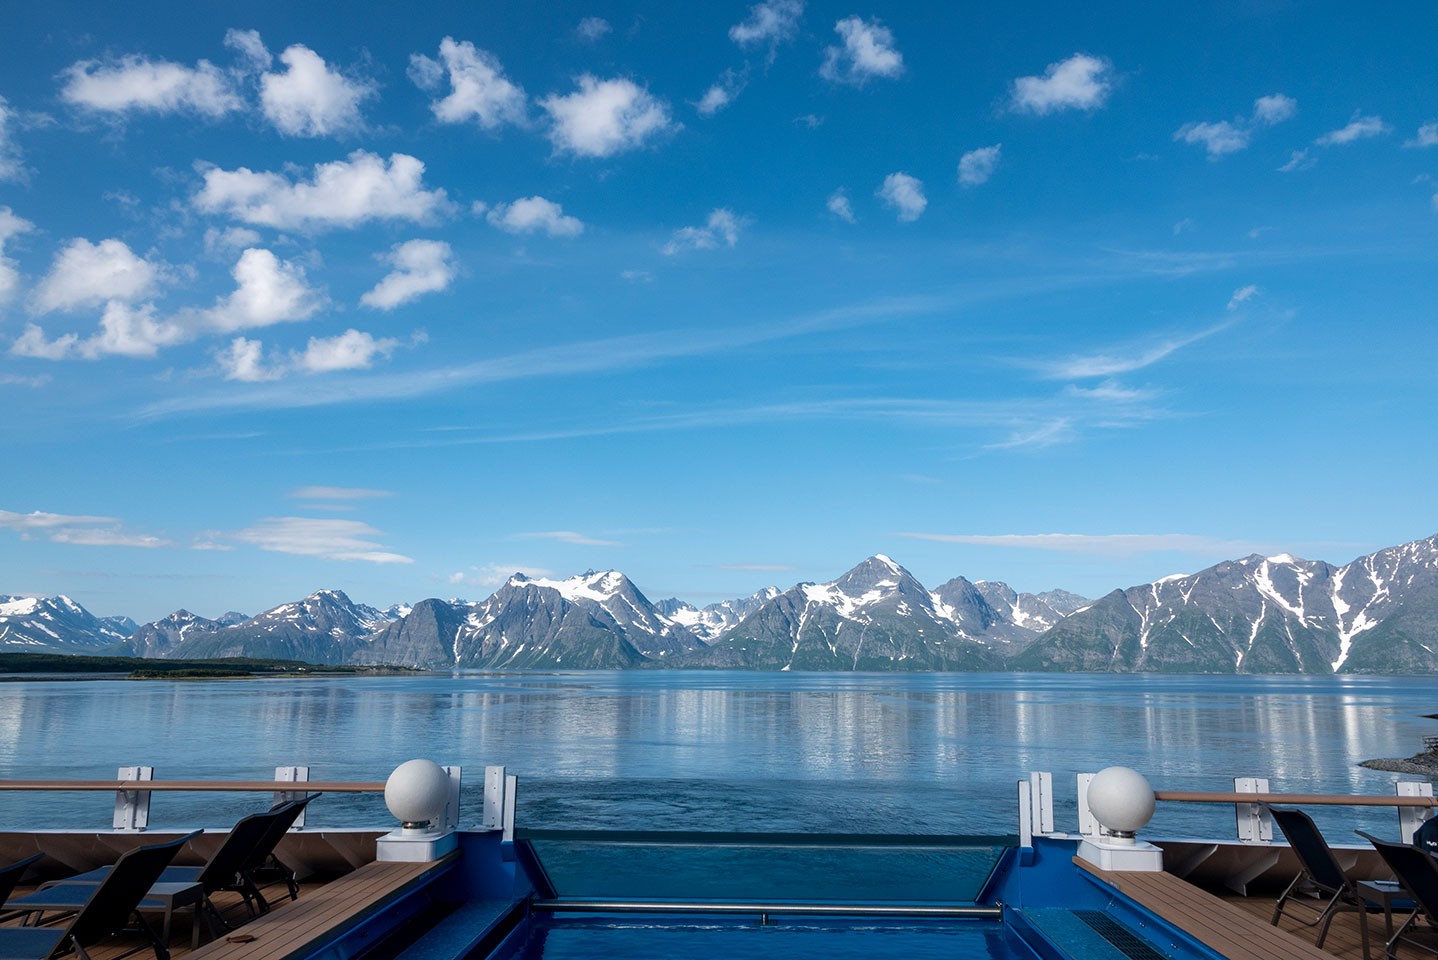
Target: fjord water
(672, 750)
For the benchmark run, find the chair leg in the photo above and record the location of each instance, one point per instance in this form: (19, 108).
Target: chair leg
(1325, 919)
(1392, 949)
(1283, 898)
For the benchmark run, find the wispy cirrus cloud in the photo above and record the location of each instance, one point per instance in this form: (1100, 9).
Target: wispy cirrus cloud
(567, 536)
(1122, 359)
(1359, 128)
(756, 567)
(77, 529)
(324, 538)
(1110, 544)
(491, 575)
(337, 493)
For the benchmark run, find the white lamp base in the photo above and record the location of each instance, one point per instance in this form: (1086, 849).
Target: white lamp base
(1136, 856)
(401, 846)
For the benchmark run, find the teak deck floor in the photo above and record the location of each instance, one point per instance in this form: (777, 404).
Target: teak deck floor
(1240, 928)
(288, 926)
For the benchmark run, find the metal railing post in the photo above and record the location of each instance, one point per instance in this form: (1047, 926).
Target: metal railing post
(292, 775)
(451, 808)
(132, 807)
(1088, 825)
(1411, 818)
(493, 798)
(1254, 823)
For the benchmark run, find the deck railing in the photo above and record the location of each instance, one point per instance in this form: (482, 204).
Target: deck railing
(1413, 800)
(133, 787)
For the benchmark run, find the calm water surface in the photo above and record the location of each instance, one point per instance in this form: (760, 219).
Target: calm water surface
(928, 753)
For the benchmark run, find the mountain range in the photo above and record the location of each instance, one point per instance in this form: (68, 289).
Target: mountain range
(1281, 614)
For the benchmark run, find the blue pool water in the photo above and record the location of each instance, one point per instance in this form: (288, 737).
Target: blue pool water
(720, 751)
(564, 939)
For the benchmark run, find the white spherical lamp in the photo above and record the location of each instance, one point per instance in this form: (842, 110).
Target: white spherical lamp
(416, 793)
(1121, 800)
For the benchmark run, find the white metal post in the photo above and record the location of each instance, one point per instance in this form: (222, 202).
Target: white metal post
(511, 791)
(1041, 795)
(1088, 826)
(493, 798)
(1026, 813)
(1411, 818)
(451, 808)
(132, 807)
(1254, 823)
(292, 775)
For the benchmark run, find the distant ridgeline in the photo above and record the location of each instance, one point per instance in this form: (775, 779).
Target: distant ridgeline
(1378, 614)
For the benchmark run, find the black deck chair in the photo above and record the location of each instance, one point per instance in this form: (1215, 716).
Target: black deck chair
(111, 908)
(1320, 870)
(9, 876)
(250, 841)
(1417, 872)
(265, 859)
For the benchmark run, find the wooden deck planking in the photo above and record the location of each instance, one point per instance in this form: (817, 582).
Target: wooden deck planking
(1234, 933)
(290, 926)
(283, 932)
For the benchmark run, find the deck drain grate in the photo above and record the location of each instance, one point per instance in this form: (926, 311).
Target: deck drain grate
(1123, 939)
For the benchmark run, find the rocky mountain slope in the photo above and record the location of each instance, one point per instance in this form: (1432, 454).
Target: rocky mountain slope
(1281, 614)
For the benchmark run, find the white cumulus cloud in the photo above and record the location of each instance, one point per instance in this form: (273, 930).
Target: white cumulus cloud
(479, 90)
(868, 51)
(342, 193)
(905, 194)
(720, 229)
(310, 98)
(1274, 108)
(592, 28)
(87, 274)
(130, 331)
(244, 360)
(267, 291)
(351, 350)
(534, 215)
(976, 166)
(769, 23)
(1082, 82)
(1359, 128)
(10, 225)
(33, 343)
(419, 267)
(1218, 138)
(604, 117)
(10, 165)
(838, 204)
(1427, 136)
(721, 93)
(136, 83)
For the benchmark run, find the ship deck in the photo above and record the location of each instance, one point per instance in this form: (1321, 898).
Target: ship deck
(291, 928)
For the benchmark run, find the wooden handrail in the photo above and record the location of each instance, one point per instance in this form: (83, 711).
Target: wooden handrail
(1307, 799)
(212, 786)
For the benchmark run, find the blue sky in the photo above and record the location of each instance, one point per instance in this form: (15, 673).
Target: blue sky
(718, 295)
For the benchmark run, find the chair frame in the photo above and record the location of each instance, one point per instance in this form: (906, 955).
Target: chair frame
(1417, 872)
(1320, 869)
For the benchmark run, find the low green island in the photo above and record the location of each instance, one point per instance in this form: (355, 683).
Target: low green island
(28, 665)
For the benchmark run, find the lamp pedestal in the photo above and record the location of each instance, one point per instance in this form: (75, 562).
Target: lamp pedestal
(1108, 854)
(413, 846)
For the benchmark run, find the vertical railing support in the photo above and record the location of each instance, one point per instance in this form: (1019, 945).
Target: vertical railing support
(1411, 818)
(493, 798)
(450, 821)
(132, 807)
(1041, 796)
(511, 792)
(1026, 814)
(292, 775)
(1254, 823)
(1088, 825)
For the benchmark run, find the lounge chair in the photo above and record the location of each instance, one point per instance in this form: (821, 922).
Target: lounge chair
(1320, 870)
(265, 859)
(249, 844)
(9, 876)
(113, 904)
(1417, 872)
